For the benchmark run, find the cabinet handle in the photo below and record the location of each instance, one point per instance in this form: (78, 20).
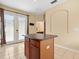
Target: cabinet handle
(47, 47)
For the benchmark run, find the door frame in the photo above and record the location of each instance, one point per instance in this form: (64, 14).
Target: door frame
(3, 41)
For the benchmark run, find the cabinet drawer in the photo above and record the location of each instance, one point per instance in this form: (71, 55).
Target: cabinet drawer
(35, 43)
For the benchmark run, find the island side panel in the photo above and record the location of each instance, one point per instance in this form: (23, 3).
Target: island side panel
(47, 49)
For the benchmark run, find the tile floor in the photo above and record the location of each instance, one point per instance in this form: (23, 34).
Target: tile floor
(61, 53)
(16, 51)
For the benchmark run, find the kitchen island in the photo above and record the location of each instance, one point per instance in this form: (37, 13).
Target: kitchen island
(39, 46)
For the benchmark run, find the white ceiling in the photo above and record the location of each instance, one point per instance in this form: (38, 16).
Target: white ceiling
(32, 6)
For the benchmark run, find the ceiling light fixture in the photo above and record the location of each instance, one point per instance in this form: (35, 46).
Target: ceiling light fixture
(34, 0)
(53, 1)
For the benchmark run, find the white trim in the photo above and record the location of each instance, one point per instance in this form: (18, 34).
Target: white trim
(72, 50)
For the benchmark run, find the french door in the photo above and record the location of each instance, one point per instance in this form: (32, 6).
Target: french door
(15, 27)
(22, 22)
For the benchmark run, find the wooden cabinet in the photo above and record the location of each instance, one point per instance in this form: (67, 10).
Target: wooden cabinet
(27, 48)
(35, 43)
(39, 47)
(47, 49)
(34, 52)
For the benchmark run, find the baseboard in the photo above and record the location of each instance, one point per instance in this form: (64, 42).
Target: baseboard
(10, 43)
(69, 49)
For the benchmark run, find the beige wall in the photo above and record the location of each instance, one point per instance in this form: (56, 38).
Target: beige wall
(68, 16)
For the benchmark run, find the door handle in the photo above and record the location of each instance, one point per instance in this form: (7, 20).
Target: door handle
(23, 35)
(16, 30)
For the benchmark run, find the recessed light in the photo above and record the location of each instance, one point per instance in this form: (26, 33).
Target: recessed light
(53, 1)
(34, 0)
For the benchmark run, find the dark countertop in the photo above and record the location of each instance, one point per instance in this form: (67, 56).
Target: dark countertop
(40, 36)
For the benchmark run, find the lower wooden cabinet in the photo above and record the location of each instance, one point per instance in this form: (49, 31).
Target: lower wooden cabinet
(47, 49)
(34, 52)
(26, 48)
(39, 49)
(27, 52)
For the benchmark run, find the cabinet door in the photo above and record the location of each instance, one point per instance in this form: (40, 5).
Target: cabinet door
(47, 49)
(26, 48)
(34, 52)
(27, 52)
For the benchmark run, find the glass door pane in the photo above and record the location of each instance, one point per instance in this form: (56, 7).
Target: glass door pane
(9, 27)
(22, 27)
